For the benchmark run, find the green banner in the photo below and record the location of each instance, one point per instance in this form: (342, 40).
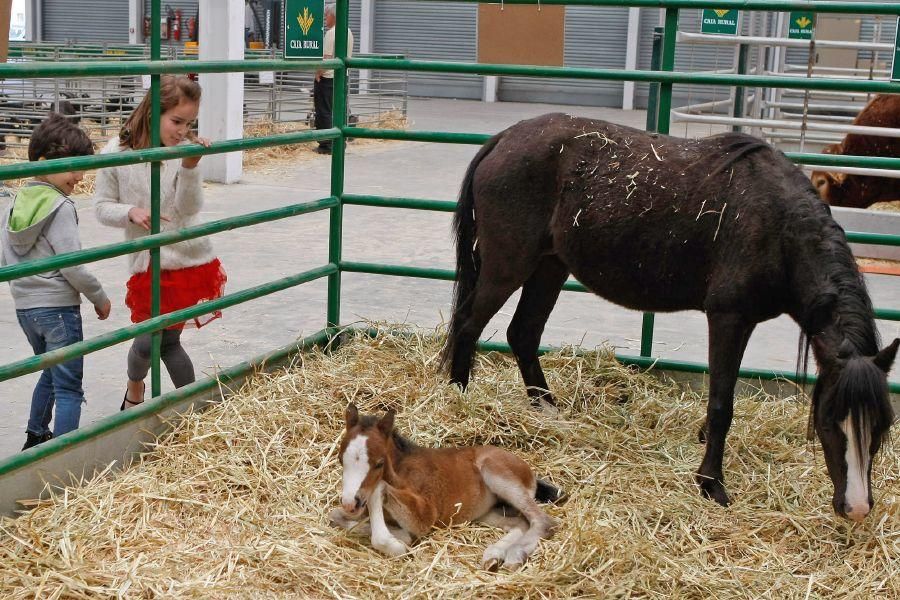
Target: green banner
(895, 72)
(718, 21)
(800, 27)
(304, 28)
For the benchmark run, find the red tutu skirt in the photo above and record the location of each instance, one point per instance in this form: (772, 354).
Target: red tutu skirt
(179, 288)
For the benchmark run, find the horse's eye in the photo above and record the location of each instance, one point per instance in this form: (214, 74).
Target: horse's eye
(379, 464)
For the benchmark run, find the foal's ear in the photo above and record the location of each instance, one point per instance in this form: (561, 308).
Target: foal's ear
(351, 415)
(885, 358)
(386, 423)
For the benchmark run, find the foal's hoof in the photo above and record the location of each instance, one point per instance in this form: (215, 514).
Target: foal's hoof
(714, 490)
(492, 565)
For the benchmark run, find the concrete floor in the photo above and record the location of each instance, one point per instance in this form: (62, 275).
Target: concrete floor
(262, 253)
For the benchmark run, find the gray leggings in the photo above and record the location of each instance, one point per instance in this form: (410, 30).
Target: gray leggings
(177, 362)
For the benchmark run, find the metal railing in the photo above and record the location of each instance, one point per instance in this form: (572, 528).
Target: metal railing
(659, 116)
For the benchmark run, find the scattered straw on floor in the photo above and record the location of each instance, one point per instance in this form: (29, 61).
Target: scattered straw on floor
(233, 503)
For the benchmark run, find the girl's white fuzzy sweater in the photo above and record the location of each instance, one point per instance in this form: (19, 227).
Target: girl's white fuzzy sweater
(119, 189)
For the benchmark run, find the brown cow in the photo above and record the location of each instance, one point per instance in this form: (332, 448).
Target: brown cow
(861, 191)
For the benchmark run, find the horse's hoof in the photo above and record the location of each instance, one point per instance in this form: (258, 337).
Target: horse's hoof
(515, 558)
(714, 490)
(545, 408)
(492, 565)
(392, 547)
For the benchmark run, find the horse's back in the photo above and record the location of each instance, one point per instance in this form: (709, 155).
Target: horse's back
(648, 221)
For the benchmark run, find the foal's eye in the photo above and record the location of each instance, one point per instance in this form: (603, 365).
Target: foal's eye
(379, 464)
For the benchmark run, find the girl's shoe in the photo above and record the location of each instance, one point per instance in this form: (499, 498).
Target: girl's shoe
(126, 403)
(33, 440)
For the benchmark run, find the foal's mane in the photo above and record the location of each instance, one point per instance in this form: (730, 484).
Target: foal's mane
(403, 445)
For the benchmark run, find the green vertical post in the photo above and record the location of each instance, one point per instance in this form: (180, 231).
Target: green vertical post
(738, 109)
(653, 95)
(668, 64)
(662, 121)
(156, 338)
(652, 123)
(339, 121)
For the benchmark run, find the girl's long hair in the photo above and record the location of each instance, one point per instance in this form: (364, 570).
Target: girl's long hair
(135, 133)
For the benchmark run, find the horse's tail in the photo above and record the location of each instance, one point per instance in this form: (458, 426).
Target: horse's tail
(549, 494)
(468, 263)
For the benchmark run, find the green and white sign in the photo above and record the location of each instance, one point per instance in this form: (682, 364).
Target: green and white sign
(718, 21)
(800, 27)
(304, 28)
(895, 72)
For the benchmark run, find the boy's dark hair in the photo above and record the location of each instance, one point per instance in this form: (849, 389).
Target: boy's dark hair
(58, 137)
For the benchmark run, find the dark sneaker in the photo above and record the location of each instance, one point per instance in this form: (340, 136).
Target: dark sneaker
(33, 440)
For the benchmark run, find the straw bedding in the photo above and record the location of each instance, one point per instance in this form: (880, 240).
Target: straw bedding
(233, 502)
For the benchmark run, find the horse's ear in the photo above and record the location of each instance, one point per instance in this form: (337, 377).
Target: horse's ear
(386, 424)
(351, 415)
(885, 358)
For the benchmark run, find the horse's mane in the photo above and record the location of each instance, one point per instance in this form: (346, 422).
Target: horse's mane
(403, 445)
(860, 392)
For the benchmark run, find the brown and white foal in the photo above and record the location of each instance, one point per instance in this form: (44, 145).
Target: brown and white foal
(418, 489)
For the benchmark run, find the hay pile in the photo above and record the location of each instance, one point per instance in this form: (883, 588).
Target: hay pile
(233, 503)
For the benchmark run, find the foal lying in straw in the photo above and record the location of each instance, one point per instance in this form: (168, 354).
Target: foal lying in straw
(421, 488)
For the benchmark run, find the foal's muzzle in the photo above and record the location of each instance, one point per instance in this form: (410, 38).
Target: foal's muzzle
(359, 503)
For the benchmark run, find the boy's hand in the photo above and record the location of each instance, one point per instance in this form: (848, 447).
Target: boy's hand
(103, 310)
(192, 161)
(141, 216)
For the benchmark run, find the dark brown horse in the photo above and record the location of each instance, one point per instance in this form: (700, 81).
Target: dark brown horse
(726, 225)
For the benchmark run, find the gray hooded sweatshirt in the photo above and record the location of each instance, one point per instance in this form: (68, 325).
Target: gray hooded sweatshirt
(42, 222)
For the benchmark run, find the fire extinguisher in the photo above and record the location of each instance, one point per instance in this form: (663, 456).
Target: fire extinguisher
(176, 25)
(192, 29)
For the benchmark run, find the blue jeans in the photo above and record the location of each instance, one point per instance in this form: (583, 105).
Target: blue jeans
(49, 329)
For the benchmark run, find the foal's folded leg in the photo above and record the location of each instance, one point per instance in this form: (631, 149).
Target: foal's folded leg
(382, 538)
(410, 510)
(495, 554)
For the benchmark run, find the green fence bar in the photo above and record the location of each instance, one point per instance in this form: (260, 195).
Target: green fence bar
(572, 285)
(33, 70)
(42, 361)
(339, 121)
(166, 238)
(113, 421)
(389, 202)
(847, 85)
(155, 166)
(130, 157)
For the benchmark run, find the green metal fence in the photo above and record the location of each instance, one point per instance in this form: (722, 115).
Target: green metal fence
(663, 80)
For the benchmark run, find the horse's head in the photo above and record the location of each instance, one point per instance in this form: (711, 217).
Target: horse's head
(364, 452)
(852, 416)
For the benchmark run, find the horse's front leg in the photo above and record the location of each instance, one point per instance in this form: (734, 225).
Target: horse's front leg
(410, 510)
(728, 337)
(382, 538)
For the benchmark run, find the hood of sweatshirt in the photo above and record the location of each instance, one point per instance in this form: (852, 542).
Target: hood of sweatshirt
(35, 204)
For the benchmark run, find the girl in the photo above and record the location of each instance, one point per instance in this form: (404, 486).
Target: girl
(191, 273)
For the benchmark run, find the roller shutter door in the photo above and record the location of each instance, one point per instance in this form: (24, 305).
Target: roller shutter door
(84, 21)
(431, 31)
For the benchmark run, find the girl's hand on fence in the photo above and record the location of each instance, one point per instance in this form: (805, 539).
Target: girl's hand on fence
(192, 161)
(141, 216)
(103, 310)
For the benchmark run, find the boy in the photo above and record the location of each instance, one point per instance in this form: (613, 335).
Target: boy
(42, 222)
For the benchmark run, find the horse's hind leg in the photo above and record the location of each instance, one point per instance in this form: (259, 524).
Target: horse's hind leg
(728, 337)
(515, 527)
(492, 290)
(539, 296)
(511, 480)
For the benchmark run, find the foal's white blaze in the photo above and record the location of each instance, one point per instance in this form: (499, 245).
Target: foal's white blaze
(356, 466)
(857, 494)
